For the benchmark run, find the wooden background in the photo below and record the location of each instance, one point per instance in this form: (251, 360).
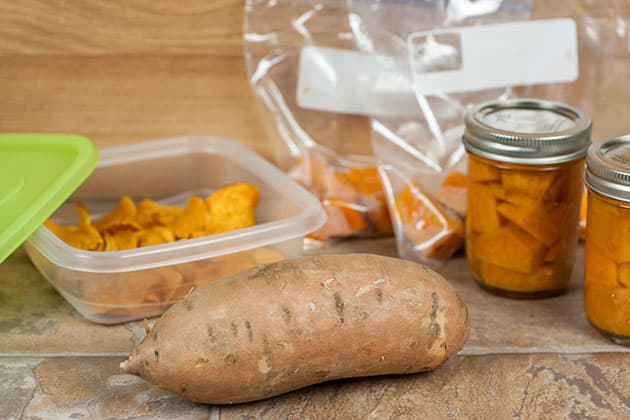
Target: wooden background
(122, 71)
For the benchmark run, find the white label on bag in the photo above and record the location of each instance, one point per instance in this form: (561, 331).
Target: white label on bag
(442, 61)
(353, 82)
(493, 56)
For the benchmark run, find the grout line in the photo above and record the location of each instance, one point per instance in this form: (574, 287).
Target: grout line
(65, 354)
(215, 413)
(559, 350)
(465, 352)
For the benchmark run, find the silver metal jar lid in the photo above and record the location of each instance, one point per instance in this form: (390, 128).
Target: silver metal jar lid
(527, 131)
(608, 168)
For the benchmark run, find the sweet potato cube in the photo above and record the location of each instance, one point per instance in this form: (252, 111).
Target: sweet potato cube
(624, 274)
(452, 192)
(622, 311)
(482, 214)
(510, 248)
(543, 278)
(482, 172)
(599, 306)
(609, 228)
(598, 267)
(559, 251)
(546, 225)
(434, 230)
(344, 219)
(366, 180)
(533, 184)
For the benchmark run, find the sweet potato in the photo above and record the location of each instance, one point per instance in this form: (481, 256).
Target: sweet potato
(294, 323)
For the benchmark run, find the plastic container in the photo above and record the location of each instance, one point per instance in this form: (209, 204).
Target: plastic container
(114, 287)
(525, 171)
(607, 248)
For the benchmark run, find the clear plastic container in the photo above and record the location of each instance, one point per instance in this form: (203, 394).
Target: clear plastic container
(114, 287)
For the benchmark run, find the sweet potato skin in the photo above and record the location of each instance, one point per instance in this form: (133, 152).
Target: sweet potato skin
(286, 325)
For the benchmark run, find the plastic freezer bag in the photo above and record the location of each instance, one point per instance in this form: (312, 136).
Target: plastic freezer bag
(393, 80)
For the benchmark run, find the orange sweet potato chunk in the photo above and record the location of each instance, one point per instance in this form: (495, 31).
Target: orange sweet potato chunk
(343, 220)
(622, 311)
(452, 192)
(510, 248)
(546, 225)
(482, 214)
(608, 309)
(600, 307)
(435, 230)
(598, 267)
(479, 171)
(609, 228)
(544, 278)
(532, 184)
(558, 251)
(366, 180)
(624, 274)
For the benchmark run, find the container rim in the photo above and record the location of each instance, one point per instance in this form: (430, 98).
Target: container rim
(311, 217)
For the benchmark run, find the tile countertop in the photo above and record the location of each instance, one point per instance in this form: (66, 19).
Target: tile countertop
(524, 359)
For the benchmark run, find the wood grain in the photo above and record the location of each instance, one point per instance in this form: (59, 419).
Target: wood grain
(127, 71)
(95, 27)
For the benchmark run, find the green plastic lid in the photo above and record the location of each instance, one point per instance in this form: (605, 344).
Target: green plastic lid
(38, 172)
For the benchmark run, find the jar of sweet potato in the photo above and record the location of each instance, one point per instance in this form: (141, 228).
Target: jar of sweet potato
(525, 172)
(607, 249)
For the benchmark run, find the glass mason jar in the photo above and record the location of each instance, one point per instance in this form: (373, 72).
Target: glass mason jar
(525, 183)
(607, 249)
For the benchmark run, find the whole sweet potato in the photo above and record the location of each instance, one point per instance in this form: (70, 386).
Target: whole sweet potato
(293, 323)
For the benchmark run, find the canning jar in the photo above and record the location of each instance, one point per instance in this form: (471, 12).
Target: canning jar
(525, 181)
(607, 249)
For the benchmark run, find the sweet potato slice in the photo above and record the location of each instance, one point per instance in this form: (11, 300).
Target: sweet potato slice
(194, 222)
(232, 207)
(122, 216)
(83, 236)
(150, 213)
(510, 248)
